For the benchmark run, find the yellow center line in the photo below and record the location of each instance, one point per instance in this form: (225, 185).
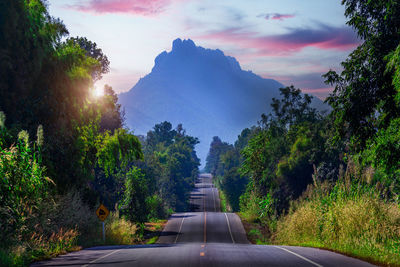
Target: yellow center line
(205, 227)
(205, 217)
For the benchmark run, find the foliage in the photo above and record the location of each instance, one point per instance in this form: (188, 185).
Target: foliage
(170, 156)
(281, 156)
(92, 51)
(217, 147)
(117, 150)
(364, 95)
(23, 186)
(224, 161)
(133, 203)
(383, 155)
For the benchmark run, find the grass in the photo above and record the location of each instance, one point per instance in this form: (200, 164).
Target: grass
(257, 232)
(69, 226)
(354, 221)
(224, 203)
(40, 247)
(118, 232)
(152, 231)
(350, 219)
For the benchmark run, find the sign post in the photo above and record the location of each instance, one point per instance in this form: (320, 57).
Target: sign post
(102, 213)
(104, 233)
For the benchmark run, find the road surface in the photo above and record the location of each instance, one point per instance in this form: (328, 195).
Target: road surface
(203, 236)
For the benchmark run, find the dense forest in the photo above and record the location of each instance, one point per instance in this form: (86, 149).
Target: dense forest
(327, 179)
(64, 150)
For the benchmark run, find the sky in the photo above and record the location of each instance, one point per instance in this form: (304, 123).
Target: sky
(291, 41)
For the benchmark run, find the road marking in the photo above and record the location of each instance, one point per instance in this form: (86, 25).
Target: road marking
(301, 257)
(93, 261)
(229, 227)
(202, 254)
(205, 217)
(215, 209)
(180, 228)
(204, 200)
(205, 227)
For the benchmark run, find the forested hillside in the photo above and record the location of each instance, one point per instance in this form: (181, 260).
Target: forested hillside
(301, 177)
(64, 149)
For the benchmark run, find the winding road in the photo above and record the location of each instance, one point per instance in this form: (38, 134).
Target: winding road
(203, 236)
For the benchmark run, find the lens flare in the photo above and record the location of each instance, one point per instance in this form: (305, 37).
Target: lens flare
(98, 92)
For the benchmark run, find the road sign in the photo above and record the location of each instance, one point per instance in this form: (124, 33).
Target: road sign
(102, 212)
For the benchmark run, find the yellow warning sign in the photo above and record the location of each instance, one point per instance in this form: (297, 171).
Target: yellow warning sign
(102, 212)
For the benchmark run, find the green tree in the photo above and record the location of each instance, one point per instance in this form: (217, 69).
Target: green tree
(364, 95)
(94, 52)
(133, 204)
(217, 147)
(282, 154)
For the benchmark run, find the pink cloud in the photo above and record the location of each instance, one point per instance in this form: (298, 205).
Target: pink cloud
(136, 7)
(310, 83)
(321, 93)
(278, 16)
(325, 38)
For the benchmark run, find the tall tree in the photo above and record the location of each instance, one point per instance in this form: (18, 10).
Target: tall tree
(364, 95)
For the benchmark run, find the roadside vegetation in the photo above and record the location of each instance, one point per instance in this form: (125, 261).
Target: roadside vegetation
(64, 150)
(327, 179)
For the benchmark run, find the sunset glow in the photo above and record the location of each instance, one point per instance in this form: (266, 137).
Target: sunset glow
(271, 38)
(98, 92)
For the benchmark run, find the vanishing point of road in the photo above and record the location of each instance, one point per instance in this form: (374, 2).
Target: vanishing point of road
(203, 236)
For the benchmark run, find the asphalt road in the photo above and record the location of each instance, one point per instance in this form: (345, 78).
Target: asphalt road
(203, 236)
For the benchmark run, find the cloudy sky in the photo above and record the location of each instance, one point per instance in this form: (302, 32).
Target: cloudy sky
(291, 41)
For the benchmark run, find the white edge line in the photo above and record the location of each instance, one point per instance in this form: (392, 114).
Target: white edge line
(180, 228)
(229, 227)
(215, 208)
(93, 261)
(301, 257)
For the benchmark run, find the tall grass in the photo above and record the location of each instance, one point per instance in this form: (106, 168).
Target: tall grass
(350, 218)
(66, 224)
(118, 231)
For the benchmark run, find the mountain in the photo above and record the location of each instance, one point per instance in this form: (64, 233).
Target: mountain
(205, 90)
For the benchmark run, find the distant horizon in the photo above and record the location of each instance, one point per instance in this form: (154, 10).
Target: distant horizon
(289, 41)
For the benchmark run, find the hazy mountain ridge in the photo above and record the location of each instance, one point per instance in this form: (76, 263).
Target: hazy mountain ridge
(203, 89)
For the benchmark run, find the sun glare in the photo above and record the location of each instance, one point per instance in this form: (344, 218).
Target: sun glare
(98, 92)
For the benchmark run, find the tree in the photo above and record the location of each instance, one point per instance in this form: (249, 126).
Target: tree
(171, 158)
(112, 117)
(217, 147)
(94, 52)
(280, 156)
(28, 40)
(133, 204)
(364, 95)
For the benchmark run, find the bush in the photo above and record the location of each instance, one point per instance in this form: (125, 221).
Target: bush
(120, 231)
